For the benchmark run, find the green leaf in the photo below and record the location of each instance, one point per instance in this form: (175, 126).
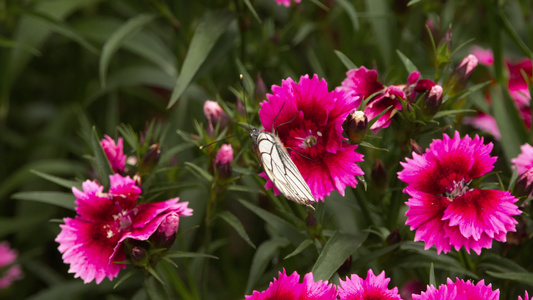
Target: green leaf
(407, 63)
(65, 200)
(338, 248)
(116, 40)
(280, 225)
(206, 35)
(262, 257)
(12, 44)
(181, 254)
(199, 172)
(63, 28)
(16, 224)
(252, 9)
(525, 277)
(509, 122)
(58, 180)
(345, 60)
(352, 13)
(452, 112)
(300, 248)
(234, 222)
(102, 164)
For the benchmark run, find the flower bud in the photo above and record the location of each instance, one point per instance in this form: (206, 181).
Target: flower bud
(114, 152)
(432, 101)
(215, 115)
(379, 174)
(166, 232)
(223, 161)
(462, 73)
(139, 256)
(524, 184)
(260, 89)
(416, 147)
(151, 157)
(356, 126)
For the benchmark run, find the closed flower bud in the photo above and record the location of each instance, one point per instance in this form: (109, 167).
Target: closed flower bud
(151, 157)
(260, 89)
(166, 233)
(432, 101)
(215, 115)
(379, 175)
(416, 147)
(462, 73)
(223, 161)
(139, 256)
(524, 184)
(356, 126)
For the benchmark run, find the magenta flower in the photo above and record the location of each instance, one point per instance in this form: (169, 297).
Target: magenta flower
(290, 288)
(460, 290)
(526, 297)
(443, 210)
(309, 122)
(286, 3)
(92, 242)
(115, 153)
(484, 122)
(9, 271)
(524, 161)
(362, 83)
(373, 287)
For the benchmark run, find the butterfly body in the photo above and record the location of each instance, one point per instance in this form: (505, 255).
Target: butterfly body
(280, 168)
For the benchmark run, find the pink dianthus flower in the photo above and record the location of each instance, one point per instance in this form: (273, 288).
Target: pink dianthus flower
(308, 120)
(373, 287)
(524, 161)
(9, 270)
(443, 210)
(114, 152)
(290, 288)
(459, 290)
(526, 297)
(92, 242)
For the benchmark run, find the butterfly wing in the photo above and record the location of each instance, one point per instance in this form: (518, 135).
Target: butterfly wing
(281, 170)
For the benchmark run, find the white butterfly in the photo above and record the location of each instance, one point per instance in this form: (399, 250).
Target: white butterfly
(279, 167)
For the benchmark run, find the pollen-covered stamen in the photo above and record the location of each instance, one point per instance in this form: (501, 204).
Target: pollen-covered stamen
(310, 140)
(122, 218)
(458, 189)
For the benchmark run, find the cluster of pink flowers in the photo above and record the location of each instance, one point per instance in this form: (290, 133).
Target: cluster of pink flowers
(443, 209)
(354, 287)
(373, 287)
(363, 84)
(308, 120)
(9, 271)
(107, 224)
(516, 85)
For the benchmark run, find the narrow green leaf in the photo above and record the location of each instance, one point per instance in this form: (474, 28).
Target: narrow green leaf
(282, 226)
(65, 200)
(234, 222)
(63, 28)
(206, 35)
(352, 13)
(432, 280)
(16, 224)
(514, 35)
(525, 277)
(201, 173)
(300, 248)
(252, 9)
(58, 180)
(116, 40)
(102, 164)
(262, 257)
(407, 63)
(338, 248)
(12, 44)
(509, 122)
(452, 112)
(345, 60)
(181, 254)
